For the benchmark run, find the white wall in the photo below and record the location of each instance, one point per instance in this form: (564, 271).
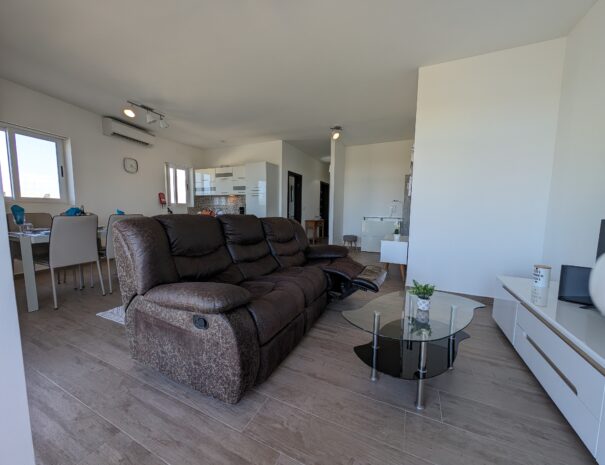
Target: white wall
(374, 176)
(313, 172)
(337, 180)
(485, 135)
(15, 433)
(100, 182)
(577, 197)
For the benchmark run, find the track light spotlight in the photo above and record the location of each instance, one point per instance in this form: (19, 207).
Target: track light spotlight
(151, 117)
(336, 132)
(163, 123)
(129, 111)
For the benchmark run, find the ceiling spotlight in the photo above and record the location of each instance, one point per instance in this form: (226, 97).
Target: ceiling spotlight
(128, 111)
(163, 123)
(151, 117)
(336, 132)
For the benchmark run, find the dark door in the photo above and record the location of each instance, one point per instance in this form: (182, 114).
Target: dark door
(324, 205)
(294, 196)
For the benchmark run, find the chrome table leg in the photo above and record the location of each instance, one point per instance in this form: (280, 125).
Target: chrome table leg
(376, 330)
(421, 376)
(451, 345)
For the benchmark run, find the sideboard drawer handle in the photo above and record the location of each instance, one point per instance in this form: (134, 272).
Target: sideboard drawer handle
(565, 379)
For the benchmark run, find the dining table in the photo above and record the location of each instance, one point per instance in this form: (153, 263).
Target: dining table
(26, 240)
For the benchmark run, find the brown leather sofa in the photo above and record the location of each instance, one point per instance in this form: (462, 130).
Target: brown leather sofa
(218, 303)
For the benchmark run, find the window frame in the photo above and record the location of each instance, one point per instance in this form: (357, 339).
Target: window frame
(170, 201)
(11, 132)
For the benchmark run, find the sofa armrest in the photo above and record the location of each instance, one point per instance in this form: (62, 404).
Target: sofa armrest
(326, 251)
(199, 297)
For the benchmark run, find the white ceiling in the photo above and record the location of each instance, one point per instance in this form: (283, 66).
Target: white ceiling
(250, 71)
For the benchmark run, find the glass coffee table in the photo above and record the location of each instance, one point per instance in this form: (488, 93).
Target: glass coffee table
(409, 343)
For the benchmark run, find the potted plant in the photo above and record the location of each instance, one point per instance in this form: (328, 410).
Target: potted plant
(423, 292)
(396, 234)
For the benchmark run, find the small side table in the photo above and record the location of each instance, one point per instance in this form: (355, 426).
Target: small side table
(317, 226)
(395, 251)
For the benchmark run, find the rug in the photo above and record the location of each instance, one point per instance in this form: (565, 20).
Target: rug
(117, 315)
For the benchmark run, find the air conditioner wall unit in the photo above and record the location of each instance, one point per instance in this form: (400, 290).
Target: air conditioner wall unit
(113, 127)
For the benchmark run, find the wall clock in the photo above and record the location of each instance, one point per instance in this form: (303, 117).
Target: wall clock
(131, 165)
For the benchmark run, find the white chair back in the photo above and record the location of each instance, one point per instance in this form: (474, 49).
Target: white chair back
(109, 249)
(73, 240)
(38, 220)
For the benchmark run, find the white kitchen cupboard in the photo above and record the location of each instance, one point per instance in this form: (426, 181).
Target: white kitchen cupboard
(204, 181)
(262, 189)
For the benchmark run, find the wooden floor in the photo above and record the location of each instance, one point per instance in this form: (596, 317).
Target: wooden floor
(91, 404)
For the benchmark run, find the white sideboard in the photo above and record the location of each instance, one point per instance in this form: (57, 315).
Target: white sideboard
(564, 347)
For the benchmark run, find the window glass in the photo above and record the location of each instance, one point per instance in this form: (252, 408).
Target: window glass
(181, 186)
(37, 165)
(171, 183)
(5, 166)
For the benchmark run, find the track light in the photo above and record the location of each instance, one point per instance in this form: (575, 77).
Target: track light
(336, 132)
(151, 117)
(129, 111)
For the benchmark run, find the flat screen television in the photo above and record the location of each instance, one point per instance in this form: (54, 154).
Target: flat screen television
(573, 285)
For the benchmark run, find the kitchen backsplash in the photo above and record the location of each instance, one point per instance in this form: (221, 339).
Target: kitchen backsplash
(227, 204)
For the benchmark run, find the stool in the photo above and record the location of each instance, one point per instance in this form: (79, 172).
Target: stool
(351, 239)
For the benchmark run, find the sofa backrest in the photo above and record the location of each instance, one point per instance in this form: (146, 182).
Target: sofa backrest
(197, 245)
(281, 236)
(247, 245)
(143, 256)
(301, 235)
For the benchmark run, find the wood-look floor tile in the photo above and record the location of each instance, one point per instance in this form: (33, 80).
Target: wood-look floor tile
(553, 440)
(313, 441)
(285, 460)
(361, 414)
(163, 425)
(66, 432)
(446, 445)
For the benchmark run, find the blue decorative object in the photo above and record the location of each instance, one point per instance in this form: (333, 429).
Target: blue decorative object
(73, 211)
(119, 212)
(18, 214)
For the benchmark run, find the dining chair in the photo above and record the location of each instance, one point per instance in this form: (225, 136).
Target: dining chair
(73, 241)
(109, 252)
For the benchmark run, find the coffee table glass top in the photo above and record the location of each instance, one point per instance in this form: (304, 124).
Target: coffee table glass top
(400, 318)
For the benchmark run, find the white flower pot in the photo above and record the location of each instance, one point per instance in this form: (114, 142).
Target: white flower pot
(423, 304)
(396, 237)
(423, 316)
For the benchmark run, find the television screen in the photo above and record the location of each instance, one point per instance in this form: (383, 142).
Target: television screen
(573, 285)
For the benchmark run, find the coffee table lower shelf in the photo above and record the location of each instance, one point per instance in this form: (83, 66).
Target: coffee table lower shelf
(405, 359)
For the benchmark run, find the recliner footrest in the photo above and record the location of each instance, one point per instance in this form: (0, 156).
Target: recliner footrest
(371, 278)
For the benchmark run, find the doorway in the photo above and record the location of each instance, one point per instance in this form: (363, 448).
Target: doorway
(324, 205)
(295, 196)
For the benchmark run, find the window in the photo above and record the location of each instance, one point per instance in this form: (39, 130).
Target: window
(177, 184)
(32, 165)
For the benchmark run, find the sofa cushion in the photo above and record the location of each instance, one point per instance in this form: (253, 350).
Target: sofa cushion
(310, 280)
(273, 306)
(198, 247)
(145, 253)
(282, 240)
(300, 234)
(199, 297)
(247, 245)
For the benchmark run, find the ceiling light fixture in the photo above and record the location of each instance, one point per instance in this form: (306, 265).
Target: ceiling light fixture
(336, 132)
(151, 114)
(150, 117)
(129, 111)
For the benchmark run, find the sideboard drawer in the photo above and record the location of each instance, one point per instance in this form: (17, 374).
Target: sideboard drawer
(561, 389)
(588, 383)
